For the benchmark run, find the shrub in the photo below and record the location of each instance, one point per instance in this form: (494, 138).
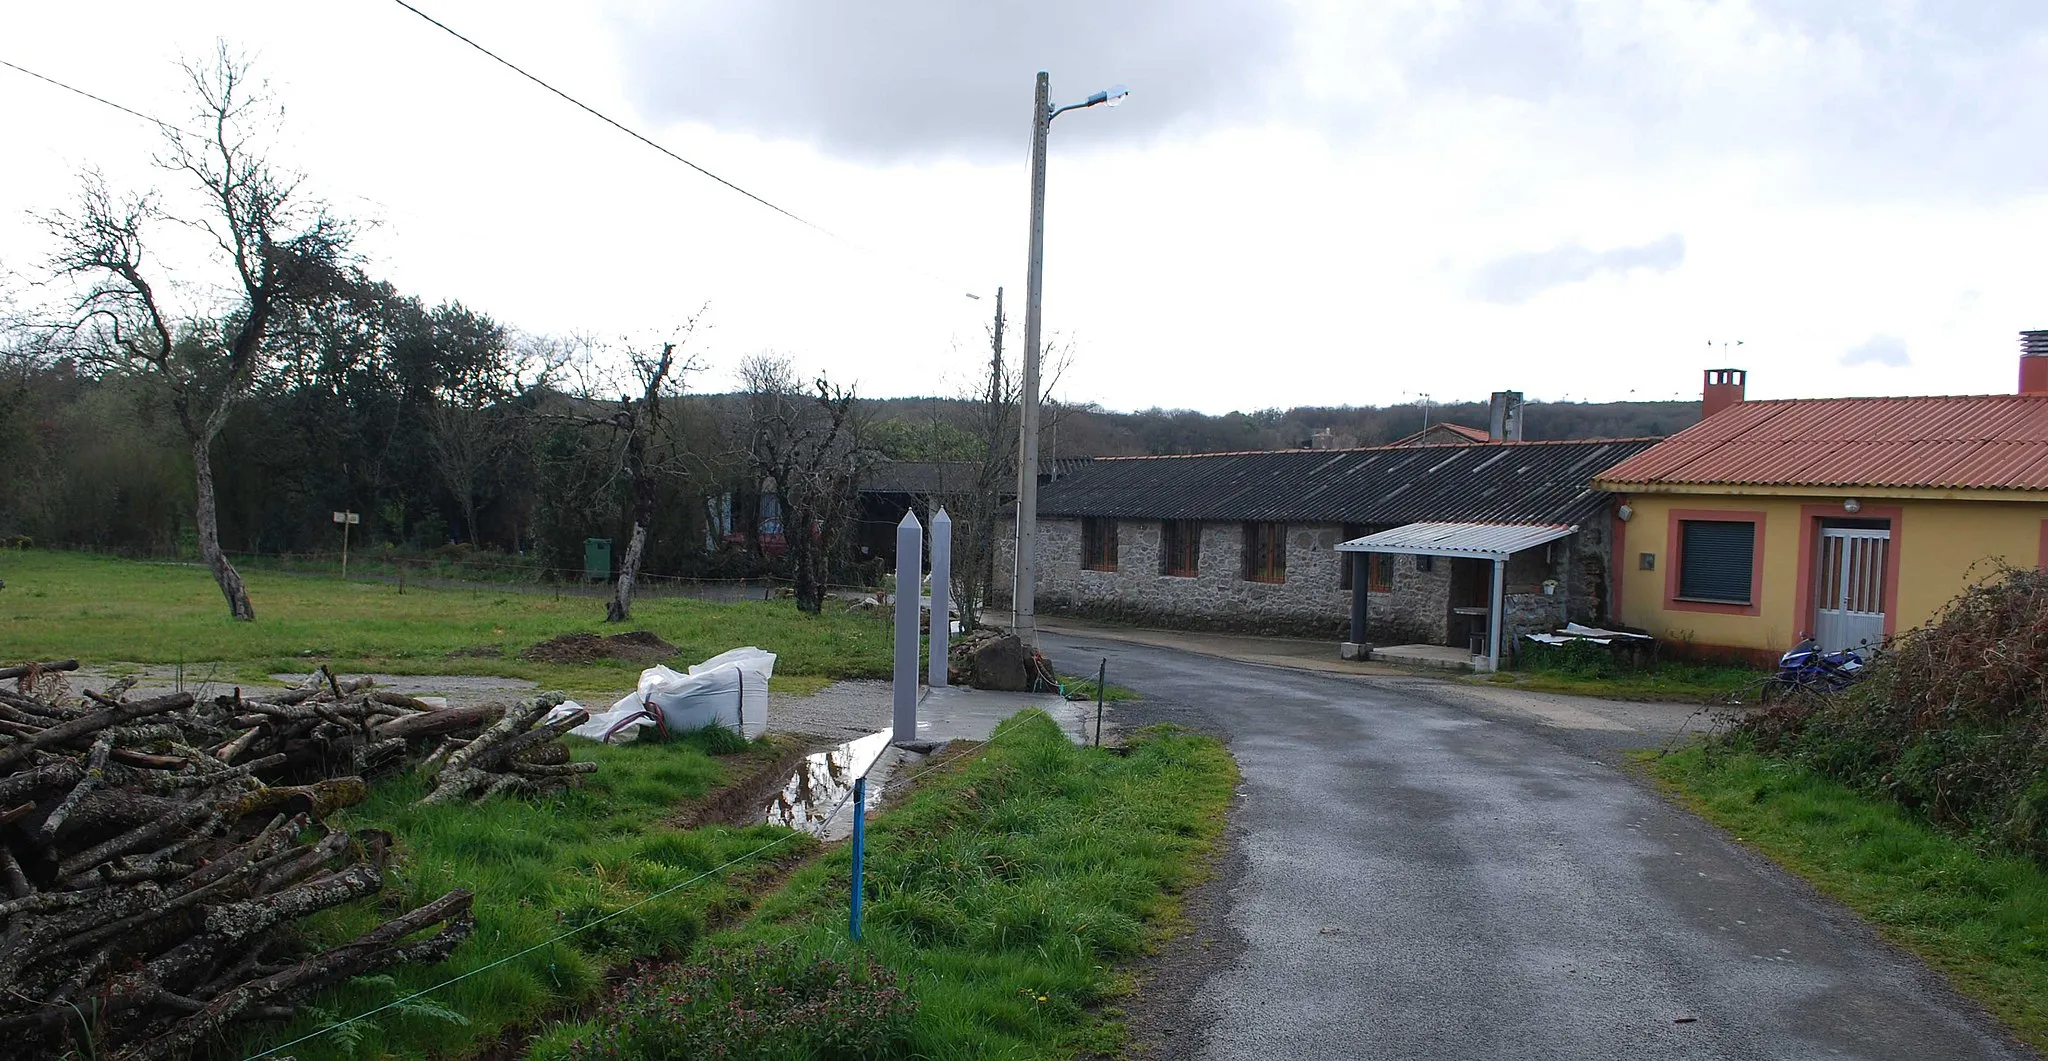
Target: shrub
(762, 1004)
(1951, 722)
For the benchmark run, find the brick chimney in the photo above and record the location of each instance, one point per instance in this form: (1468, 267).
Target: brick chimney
(1723, 388)
(1504, 417)
(2034, 362)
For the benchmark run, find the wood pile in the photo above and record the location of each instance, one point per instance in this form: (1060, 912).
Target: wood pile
(157, 852)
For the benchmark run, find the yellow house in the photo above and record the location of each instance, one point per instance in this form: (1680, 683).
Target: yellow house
(1844, 519)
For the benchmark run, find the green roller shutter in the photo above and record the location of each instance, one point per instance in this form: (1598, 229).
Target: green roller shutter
(1716, 559)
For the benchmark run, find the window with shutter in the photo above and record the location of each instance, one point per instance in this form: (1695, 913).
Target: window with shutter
(1098, 544)
(1180, 547)
(1716, 560)
(1265, 552)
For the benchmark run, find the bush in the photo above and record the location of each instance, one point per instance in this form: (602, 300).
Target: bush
(763, 1004)
(1951, 722)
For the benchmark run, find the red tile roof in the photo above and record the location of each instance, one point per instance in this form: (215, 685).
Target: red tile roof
(1989, 441)
(1430, 435)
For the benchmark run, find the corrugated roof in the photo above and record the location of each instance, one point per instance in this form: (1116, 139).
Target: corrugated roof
(1989, 441)
(1495, 482)
(1486, 541)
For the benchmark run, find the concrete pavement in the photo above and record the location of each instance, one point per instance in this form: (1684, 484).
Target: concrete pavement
(1424, 875)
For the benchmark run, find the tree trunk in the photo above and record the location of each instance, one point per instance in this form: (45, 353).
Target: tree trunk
(621, 607)
(809, 588)
(208, 519)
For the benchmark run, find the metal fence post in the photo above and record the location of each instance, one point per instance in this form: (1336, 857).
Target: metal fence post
(860, 837)
(1101, 689)
(942, 595)
(909, 572)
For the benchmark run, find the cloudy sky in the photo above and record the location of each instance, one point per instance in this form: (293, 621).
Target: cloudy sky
(1300, 203)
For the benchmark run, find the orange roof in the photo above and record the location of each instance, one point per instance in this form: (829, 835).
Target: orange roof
(1987, 442)
(1422, 437)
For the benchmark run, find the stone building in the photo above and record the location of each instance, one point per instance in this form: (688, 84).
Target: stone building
(1250, 541)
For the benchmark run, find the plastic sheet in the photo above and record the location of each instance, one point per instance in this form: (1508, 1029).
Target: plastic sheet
(729, 689)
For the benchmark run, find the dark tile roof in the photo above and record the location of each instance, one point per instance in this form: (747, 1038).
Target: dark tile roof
(918, 477)
(1495, 482)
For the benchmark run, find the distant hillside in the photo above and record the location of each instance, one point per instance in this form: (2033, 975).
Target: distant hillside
(1092, 431)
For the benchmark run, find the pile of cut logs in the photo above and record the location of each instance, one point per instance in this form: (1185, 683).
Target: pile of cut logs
(156, 852)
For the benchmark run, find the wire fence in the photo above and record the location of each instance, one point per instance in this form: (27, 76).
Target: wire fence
(817, 830)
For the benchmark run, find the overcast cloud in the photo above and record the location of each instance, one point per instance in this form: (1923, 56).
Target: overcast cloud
(1520, 277)
(912, 79)
(1307, 201)
(1886, 350)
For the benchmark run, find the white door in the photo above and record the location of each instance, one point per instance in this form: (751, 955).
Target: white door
(1848, 592)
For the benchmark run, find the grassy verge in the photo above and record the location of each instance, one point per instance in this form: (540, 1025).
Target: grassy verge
(1981, 920)
(1004, 893)
(538, 868)
(102, 610)
(1592, 670)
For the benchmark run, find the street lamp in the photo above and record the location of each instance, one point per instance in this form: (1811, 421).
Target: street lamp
(1024, 584)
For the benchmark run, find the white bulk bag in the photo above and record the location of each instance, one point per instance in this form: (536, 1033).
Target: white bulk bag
(729, 689)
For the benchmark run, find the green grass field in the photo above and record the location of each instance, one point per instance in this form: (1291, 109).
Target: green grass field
(1982, 920)
(103, 611)
(539, 868)
(1006, 892)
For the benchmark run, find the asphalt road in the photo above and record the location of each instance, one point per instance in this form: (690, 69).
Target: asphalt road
(1421, 876)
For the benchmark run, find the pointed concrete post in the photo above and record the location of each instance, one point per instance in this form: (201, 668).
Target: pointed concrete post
(909, 573)
(942, 595)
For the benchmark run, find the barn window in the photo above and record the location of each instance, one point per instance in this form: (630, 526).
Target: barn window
(1098, 544)
(1265, 552)
(1180, 547)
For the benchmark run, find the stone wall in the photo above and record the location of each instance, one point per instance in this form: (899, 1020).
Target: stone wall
(1309, 602)
(1219, 597)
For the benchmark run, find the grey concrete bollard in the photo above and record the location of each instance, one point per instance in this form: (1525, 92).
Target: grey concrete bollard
(942, 595)
(909, 572)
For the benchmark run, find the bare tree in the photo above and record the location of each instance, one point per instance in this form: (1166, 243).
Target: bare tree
(804, 444)
(648, 447)
(282, 249)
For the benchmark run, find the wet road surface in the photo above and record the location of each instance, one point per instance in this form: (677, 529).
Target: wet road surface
(1424, 876)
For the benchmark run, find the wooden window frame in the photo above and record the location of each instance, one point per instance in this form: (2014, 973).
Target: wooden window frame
(1380, 573)
(1180, 548)
(1265, 552)
(1098, 543)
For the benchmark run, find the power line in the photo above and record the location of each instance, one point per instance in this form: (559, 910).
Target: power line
(132, 112)
(620, 126)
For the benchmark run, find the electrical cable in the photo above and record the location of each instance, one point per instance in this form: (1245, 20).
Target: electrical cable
(132, 112)
(622, 127)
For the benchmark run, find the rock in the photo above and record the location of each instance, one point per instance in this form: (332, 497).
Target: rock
(1001, 663)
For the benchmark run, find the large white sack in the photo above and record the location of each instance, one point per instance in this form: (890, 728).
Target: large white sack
(729, 689)
(755, 667)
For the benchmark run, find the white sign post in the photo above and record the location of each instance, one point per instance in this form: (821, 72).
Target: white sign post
(347, 520)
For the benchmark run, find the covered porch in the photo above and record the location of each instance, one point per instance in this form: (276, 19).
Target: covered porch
(1485, 546)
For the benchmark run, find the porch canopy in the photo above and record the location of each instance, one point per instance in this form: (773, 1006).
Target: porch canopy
(1477, 541)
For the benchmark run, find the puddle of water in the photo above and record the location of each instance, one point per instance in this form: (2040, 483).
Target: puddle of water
(812, 799)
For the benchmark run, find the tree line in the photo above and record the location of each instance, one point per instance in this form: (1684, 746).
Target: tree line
(232, 402)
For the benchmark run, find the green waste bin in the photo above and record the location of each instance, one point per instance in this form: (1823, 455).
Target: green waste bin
(597, 559)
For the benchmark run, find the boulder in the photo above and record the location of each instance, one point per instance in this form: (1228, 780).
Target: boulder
(1000, 663)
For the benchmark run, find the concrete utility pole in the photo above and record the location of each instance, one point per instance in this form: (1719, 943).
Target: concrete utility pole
(1024, 615)
(1024, 608)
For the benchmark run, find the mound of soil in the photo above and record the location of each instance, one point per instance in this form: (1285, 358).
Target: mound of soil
(638, 646)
